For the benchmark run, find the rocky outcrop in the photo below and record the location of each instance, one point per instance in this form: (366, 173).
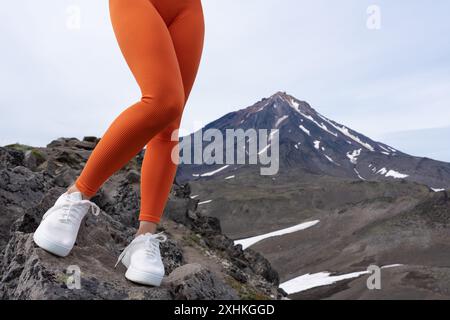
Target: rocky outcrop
(201, 262)
(193, 281)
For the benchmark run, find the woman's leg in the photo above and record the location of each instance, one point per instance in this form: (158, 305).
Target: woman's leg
(158, 168)
(147, 46)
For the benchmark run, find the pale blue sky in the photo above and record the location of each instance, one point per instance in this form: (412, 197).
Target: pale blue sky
(57, 81)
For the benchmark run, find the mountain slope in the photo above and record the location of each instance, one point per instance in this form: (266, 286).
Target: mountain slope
(364, 203)
(358, 224)
(316, 144)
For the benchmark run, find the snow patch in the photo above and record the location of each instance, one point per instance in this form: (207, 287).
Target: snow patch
(208, 174)
(320, 125)
(272, 134)
(437, 190)
(344, 130)
(264, 149)
(396, 174)
(387, 150)
(331, 160)
(354, 156)
(204, 202)
(230, 177)
(305, 130)
(392, 173)
(261, 108)
(309, 281)
(280, 120)
(317, 144)
(357, 173)
(269, 142)
(247, 242)
(295, 105)
(392, 149)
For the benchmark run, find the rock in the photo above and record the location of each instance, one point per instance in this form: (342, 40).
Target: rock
(29, 221)
(65, 177)
(237, 274)
(261, 266)
(207, 226)
(31, 273)
(181, 191)
(91, 139)
(192, 214)
(86, 145)
(29, 186)
(20, 190)
(121, 200)
(176, 210)
(62, 142)
(210, 231)
(195, 282)
(69, 158)
(28, 272)
(10, 158)
(33, 159)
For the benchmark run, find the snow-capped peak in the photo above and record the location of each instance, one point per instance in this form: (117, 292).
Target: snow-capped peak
(312, 141)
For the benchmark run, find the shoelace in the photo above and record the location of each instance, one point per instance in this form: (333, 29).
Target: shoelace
(67, 209)
(151, 244)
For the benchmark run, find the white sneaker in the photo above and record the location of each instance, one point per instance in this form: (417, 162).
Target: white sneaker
(143, 259)
(59, 227)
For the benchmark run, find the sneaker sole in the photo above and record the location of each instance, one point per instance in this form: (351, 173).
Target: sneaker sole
(50, 246)
(143, 277)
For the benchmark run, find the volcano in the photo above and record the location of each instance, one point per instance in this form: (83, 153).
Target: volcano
(316, 144)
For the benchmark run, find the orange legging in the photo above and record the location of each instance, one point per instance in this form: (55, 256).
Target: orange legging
(162, 42)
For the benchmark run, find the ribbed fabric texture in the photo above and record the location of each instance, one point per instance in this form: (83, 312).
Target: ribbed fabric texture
(162, 42)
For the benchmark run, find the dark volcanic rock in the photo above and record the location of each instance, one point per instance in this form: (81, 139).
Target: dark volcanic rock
(30, 273)
(31, 181)
(10, 158)
(20, 190)
(193, 281)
